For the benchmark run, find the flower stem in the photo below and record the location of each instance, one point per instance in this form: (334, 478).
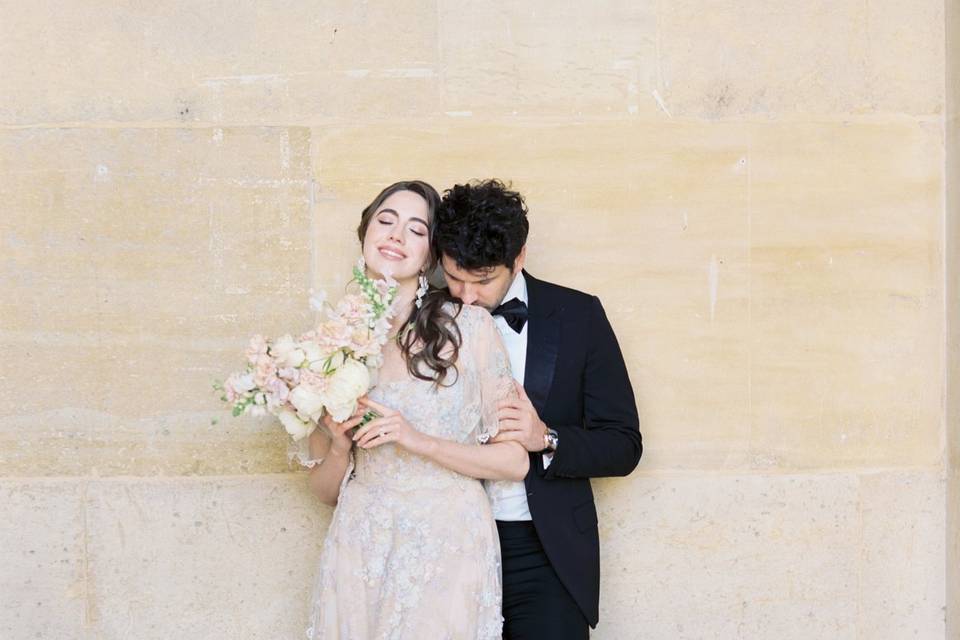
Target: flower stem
(368, 416)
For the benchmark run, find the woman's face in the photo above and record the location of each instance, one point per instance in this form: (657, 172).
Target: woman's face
(397, 240)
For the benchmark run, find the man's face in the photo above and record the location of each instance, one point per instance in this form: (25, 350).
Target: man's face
(484, 287)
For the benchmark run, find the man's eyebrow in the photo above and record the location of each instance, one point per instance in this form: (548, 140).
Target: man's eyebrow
(450, 276)
(480, 279)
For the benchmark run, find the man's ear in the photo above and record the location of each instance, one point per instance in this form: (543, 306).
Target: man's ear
(521, 260)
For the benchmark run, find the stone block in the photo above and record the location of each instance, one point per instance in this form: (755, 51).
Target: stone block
(776, 60)
(217, 63)
(45, 584)
(136, 263)
(204, 557)
(835, 555)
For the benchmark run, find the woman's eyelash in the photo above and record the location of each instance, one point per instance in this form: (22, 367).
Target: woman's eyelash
(385, 221)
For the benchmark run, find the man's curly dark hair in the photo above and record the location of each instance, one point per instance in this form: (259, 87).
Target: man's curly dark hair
(481, 224)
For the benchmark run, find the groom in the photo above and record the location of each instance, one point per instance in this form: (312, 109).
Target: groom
(575, 414)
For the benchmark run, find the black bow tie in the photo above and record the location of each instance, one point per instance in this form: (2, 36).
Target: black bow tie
(514, 312)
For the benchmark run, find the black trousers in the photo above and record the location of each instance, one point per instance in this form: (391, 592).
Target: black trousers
(536, 605)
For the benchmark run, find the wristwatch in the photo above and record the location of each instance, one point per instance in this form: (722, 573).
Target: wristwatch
(550, 440)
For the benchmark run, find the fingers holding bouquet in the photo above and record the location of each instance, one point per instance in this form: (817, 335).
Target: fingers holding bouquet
(340, 440)
(390, 426)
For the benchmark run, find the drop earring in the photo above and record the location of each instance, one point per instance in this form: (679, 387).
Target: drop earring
(422, 290)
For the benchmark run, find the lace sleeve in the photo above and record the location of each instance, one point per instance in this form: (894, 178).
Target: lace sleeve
(493, 374)
(298, 451)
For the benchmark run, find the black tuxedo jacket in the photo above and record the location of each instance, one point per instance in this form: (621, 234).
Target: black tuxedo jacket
(576, 378)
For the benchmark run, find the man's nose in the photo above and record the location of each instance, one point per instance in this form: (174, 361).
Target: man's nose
(468, 295)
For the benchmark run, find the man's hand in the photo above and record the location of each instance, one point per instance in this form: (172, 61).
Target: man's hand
(520, 422)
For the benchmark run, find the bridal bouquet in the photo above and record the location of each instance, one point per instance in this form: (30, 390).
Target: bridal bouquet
(326, 369)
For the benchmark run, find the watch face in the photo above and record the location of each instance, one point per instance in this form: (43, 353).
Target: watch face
(552, 439)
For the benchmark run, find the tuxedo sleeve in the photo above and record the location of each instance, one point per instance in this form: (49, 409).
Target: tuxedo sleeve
(608, 441)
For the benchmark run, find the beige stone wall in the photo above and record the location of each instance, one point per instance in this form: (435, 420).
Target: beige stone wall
(952, 267)
(755, 190)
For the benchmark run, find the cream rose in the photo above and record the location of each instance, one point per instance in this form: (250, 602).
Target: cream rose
(296, 427)
(349, 382)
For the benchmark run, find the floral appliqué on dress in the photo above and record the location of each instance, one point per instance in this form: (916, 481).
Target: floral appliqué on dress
(412, 551)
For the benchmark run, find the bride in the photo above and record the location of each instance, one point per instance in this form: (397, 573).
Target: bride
(412, 551)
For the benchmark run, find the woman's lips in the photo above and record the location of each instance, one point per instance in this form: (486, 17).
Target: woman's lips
(391, 254)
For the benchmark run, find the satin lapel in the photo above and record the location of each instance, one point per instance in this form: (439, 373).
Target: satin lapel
(543, 344)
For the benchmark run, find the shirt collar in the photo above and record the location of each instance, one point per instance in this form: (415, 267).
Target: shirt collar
(518, 289)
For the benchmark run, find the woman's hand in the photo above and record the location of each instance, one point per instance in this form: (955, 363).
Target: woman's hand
(391, 426)
(340, 441)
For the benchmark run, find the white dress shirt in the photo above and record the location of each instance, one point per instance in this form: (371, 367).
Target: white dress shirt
(509, 499)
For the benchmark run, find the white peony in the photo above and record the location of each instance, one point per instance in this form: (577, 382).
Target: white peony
(349, 382)
(337, 359)
(307, 402)
(296, 427)
(287, 352)
(311, 351)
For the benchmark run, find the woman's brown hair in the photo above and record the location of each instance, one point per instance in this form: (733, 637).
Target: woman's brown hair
(433, 328)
